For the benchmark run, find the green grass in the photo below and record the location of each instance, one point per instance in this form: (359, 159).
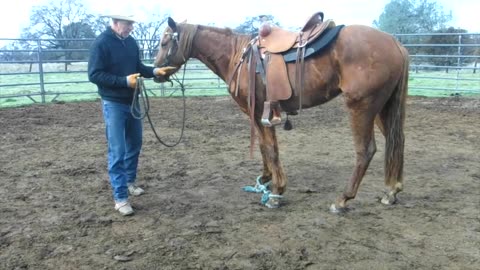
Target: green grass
(438, 83)
(74, 86)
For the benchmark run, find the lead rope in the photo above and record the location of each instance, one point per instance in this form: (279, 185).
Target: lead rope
(140, 106)
(140, 109)
(262, 188)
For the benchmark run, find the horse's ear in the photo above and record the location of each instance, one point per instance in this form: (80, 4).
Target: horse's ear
(172, 24)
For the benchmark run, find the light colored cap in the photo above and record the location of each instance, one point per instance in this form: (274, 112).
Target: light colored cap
(129, 18)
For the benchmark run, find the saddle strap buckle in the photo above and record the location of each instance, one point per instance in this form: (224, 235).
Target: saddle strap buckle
(301, 42)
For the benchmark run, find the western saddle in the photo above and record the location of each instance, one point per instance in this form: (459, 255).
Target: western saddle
(268, 54)
(274, 39)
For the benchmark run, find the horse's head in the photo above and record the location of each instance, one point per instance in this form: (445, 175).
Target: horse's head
(175, 45)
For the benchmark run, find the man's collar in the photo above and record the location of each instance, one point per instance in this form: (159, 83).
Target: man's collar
(117, 35)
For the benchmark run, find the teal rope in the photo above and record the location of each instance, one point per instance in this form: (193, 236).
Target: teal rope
(262, 188)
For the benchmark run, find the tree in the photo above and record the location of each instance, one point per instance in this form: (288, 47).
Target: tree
(100, 24)
(252, 24)
(73, 32)
(67, 30)
(58, 22)
(412, 16)
(60, 19)
(148, 35)
(446, 52)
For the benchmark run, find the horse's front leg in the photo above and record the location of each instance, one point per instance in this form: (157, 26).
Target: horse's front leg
(266, 177)
(272, 168)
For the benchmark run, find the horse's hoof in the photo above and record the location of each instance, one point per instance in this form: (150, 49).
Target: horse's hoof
(389, 199)
(338, 210)
(273, 203)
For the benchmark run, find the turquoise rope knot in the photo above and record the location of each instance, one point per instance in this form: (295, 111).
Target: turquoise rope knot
(258, 188)
(262, 188)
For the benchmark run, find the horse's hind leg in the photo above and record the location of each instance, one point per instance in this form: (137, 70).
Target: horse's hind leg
(365, 148)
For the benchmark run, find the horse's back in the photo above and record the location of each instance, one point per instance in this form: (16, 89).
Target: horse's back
(368, 59)
(358, 43)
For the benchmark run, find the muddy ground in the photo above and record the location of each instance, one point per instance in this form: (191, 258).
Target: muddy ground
(57, 212)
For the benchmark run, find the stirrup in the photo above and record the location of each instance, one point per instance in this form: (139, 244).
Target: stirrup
(276, 121)
(266, 114)
(266, 122)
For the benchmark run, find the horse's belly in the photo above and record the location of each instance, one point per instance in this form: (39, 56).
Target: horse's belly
(310, 99)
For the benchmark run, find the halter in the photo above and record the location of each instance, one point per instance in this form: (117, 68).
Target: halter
(185, 48)
(174, 37)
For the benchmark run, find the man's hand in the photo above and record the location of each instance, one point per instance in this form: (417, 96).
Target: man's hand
(164, 71)
(132, 80)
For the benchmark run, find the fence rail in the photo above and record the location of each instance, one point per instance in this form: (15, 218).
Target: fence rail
(31, 71)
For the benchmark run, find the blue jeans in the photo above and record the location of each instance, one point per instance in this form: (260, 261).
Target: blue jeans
(124, 139)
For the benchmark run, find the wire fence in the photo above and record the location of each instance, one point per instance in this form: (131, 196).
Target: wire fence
(37, 71)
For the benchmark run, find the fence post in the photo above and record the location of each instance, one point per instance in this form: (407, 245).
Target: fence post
(459, 60)
(40, 70)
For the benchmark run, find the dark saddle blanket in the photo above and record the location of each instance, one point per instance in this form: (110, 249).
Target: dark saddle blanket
(317, 45)
(279, 47)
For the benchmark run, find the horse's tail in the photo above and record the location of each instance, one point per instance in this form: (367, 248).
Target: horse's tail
(394, 112)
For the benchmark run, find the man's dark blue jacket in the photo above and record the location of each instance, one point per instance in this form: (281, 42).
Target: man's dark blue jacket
(112, 59)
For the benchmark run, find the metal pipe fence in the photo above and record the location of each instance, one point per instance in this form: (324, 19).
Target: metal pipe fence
(444, 63)
(32, 71)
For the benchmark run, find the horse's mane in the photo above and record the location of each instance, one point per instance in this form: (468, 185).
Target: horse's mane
(188, 31)
(225, 31)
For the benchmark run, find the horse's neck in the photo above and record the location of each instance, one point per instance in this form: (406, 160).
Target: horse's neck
(218, 49)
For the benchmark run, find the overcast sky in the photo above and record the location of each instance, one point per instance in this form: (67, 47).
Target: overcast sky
(226, 13)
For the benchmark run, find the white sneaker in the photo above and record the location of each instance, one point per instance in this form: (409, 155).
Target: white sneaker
(134, 190)
(124, 208)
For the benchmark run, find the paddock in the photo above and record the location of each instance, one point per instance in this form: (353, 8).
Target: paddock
(57, 211)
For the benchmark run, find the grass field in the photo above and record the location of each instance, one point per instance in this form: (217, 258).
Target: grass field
(199, 81)
(440, 83)
(19, 87)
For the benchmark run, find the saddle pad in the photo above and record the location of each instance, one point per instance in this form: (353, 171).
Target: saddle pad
(322, 42)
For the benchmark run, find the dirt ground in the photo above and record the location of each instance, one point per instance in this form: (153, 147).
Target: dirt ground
(57, 211)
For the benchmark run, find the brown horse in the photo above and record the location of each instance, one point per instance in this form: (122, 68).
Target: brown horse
(367, 66)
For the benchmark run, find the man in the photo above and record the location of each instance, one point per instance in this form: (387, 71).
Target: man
(114, 66)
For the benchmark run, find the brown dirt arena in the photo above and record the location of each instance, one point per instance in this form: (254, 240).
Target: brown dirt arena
(57, 212)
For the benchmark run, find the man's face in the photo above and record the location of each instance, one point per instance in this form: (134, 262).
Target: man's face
(123, 28)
